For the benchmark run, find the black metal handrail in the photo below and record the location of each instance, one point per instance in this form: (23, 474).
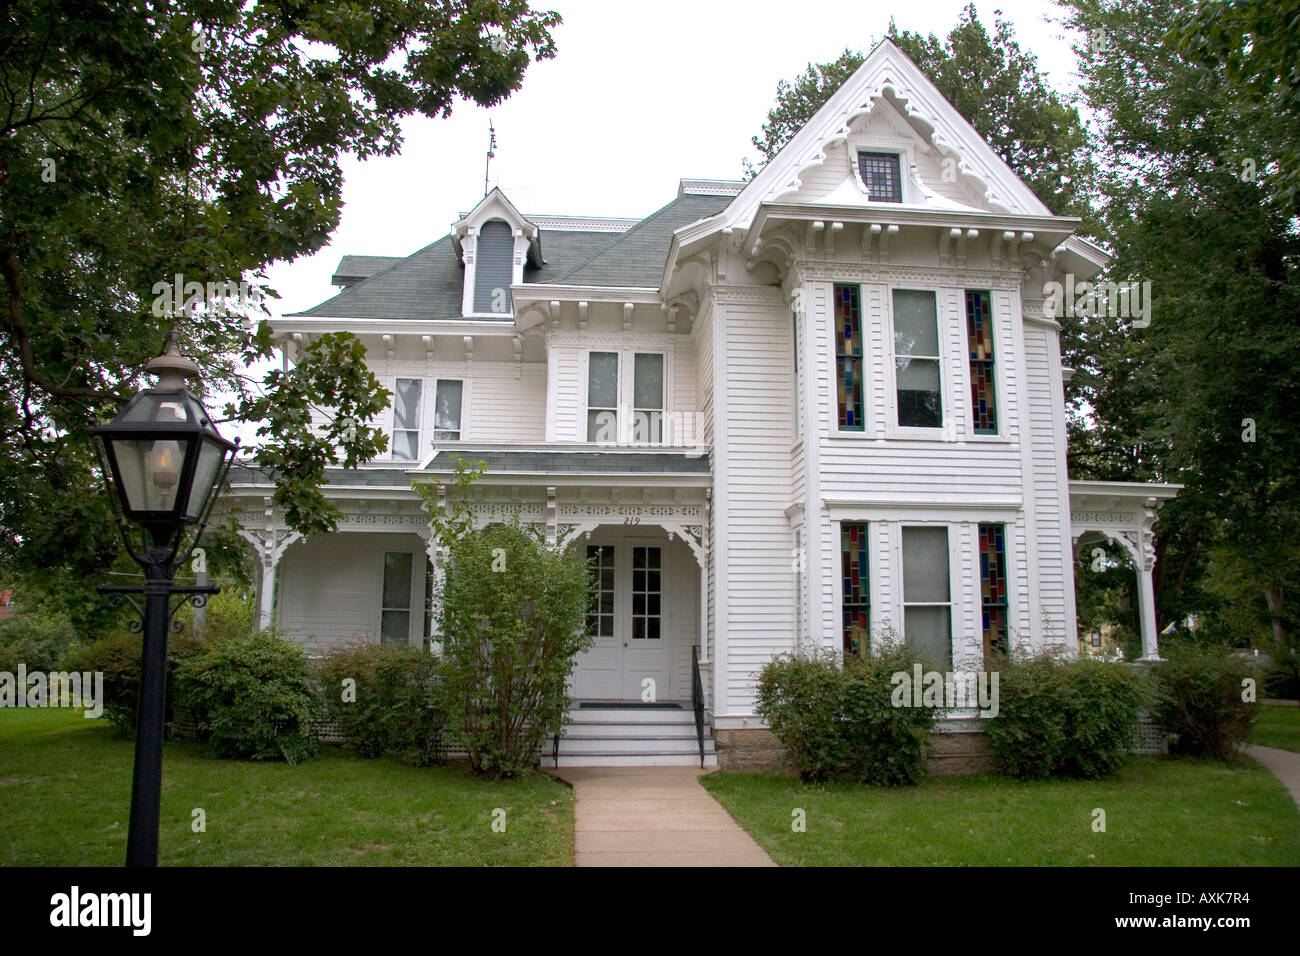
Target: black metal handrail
(697, 699)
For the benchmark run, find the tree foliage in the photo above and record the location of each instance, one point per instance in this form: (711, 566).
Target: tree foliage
(147, 139)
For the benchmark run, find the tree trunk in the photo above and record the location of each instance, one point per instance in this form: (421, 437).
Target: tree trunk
(1273, 597)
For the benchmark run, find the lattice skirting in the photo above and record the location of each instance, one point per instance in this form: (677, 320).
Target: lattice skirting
(1150, 739)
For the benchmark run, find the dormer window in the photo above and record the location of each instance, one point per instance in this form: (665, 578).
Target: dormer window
(494, 268)
(880, 174)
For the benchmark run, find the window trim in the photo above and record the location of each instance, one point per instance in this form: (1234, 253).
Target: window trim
(906, 151)
(995, 364)
(943, 431)
(837, 429)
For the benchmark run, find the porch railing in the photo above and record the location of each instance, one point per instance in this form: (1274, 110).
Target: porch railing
(697, 699)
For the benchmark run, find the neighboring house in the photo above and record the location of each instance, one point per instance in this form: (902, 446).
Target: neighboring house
(777, 415)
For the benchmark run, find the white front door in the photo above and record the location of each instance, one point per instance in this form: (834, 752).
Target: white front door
(630, 654)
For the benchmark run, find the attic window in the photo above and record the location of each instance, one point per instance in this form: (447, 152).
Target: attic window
(880, 173)
(493, 268)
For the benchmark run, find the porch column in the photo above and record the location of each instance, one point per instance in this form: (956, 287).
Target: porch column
(270, 542)
(433, 548)
(704, 558)
(1146, 550)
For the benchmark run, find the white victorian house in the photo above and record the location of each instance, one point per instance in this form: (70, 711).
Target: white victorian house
(802, 411)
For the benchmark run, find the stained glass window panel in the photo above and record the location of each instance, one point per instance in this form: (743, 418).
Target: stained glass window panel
(979, 338)
(880, 174)
(848, 356)
(993, 588)
(856, 585)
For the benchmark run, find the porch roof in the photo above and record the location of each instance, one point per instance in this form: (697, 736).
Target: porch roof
(551, 463)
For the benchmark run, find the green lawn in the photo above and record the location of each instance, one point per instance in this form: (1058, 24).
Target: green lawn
(65, 795)
(1278, 727)
(1159, 812)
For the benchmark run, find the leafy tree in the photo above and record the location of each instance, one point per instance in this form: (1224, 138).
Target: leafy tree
(1209, 394)
(147, 139)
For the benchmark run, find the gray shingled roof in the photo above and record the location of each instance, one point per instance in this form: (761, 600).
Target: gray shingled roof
(355, 268)
(428, 283)
(637, 258)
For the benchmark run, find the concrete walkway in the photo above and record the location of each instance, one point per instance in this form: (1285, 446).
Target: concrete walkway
(1284, 764)
(653, 816)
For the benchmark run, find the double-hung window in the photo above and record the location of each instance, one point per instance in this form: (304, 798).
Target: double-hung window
(927, 598)
(625, 397)
(916, 359)
(410, 415)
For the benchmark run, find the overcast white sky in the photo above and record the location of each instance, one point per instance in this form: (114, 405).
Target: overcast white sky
(637, 97)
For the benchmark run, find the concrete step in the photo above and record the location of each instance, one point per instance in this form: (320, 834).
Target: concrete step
(628, 745)
(627, 715)
(608, 729)
(631, 760)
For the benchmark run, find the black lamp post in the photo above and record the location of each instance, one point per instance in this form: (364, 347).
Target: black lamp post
(163, 463)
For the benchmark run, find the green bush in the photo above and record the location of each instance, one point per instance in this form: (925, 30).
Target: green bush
(1198, 697)
(513, 618)
(882, 743)
(394, 707)
(799, 698)
(251, 697)
(836, 720)
(1075, 718)
(41, 641)
(1282, 678)
(117, 656)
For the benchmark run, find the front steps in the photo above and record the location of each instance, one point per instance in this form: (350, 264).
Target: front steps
(631, 737)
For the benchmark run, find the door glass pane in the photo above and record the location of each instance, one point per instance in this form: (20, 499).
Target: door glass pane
(600, 619)
(925, 564)
(395, 627)
(646, 594)
(446, 411)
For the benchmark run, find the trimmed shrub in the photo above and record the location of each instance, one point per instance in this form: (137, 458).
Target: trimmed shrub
(397, 708)
(117, 656)
(250, 697)
(1070, 718)
(883, 743)
(840, 719)
(41, 641)
(1198, 697)
(1282, 679)
(799, 698)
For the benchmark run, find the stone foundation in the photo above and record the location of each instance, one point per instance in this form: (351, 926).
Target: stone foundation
(949, 755)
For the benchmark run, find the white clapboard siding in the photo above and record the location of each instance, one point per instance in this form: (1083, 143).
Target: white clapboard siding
(329, 588)
(760, 583)
(1051, 526)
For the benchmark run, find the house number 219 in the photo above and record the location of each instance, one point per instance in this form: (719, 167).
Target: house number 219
(631, 520)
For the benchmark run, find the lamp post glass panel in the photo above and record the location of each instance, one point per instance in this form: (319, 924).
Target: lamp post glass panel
(163, 463)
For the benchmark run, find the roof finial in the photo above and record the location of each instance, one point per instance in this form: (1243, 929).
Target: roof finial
(491, 153)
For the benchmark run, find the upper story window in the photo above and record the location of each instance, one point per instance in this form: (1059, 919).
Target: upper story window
(979, 341)
(494, 257)
(625, 397)
(916, 359)
(880, 174)
(410, 416)
(795, 345)
(848, 356)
